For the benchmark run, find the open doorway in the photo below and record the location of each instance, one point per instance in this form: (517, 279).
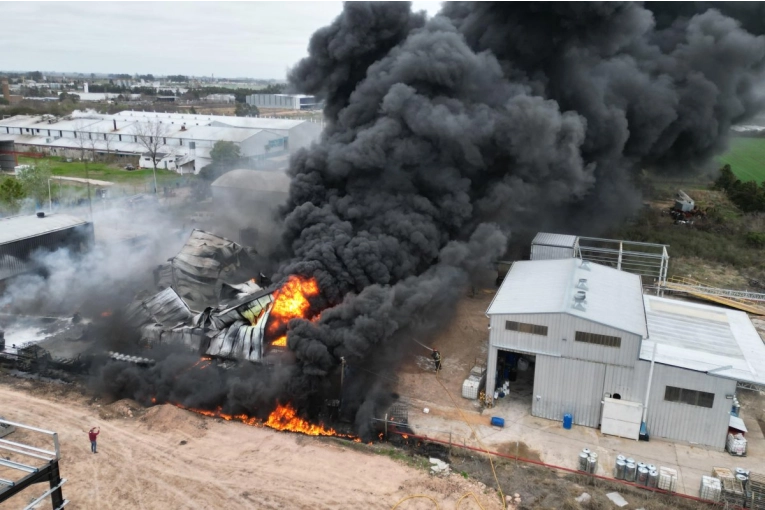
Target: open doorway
(514, 378)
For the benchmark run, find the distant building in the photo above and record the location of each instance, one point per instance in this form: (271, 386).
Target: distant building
(283, 101)
(189, 138)
(220, 98)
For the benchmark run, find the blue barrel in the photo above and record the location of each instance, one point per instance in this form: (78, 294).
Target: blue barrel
(496, 421)
(568, 420)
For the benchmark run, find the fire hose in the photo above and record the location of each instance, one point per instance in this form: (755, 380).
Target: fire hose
(428, 348)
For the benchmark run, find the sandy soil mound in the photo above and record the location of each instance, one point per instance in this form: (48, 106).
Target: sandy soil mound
(168, 418)
(125, 408)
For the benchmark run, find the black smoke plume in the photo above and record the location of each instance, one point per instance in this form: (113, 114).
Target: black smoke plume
(447, 134)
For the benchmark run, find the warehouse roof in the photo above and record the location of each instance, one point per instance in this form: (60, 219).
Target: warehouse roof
(254, 180)
(547, 239)
(704, 338)
(17, 228)
(612, 298)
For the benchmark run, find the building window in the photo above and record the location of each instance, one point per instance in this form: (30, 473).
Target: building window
(526, 328)
(692, 397)
(593, 338)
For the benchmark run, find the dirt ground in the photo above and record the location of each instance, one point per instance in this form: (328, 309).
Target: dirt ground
(165, 457)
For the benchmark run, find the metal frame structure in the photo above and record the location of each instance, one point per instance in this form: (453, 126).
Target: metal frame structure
(645, 259)
(45, 469)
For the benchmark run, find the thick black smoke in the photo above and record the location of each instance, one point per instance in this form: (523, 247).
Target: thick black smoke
(446, 134)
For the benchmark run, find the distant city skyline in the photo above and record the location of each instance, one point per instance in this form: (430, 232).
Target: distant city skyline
(259, 40)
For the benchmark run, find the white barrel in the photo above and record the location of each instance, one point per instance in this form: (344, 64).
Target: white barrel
(523, 364)
(630, 460)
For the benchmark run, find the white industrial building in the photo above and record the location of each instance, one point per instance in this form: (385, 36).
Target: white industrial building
(187, 140)
(614, 358)
(282, 101)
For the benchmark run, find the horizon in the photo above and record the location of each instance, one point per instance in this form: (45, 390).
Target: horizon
(248, 40)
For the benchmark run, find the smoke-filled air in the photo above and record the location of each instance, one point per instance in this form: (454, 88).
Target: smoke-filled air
(445, 137)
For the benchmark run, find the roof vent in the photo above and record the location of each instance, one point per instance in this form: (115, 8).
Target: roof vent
(582, 284)
(580, 296)
(585, 265)
(41, 214)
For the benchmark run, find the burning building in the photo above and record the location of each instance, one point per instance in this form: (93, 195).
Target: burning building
(443, 136)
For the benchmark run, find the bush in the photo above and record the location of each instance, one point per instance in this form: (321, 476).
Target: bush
(756, 239)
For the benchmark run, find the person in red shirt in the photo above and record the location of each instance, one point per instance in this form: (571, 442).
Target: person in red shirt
(93, 435)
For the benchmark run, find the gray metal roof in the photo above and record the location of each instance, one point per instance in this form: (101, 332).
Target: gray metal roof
(17, 228)
(562, 240)
(613, 298)
(254, 180)
(703, 338)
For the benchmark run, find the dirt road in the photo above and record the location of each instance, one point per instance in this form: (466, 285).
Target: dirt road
(142, 463)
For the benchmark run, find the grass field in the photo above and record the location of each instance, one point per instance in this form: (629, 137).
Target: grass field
(746, 158)
(104, 172)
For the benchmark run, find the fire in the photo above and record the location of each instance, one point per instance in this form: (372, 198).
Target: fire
(107, 313)
(284, 417)
(291, 301)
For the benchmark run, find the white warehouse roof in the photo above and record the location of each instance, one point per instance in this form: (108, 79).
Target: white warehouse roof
(562, 240)
(704, 338)
(613, 298)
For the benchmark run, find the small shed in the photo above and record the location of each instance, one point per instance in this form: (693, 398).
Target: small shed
(546, 246)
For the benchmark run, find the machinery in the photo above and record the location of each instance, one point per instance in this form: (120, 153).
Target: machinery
(684, 209)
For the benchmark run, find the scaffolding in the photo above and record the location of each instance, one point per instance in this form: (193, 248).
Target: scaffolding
(649, 260)
(23, 465)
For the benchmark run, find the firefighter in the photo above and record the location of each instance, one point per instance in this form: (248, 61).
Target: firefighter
(437, 359)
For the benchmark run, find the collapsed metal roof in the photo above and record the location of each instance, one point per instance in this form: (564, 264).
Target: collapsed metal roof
(232, 323)
(202, 266)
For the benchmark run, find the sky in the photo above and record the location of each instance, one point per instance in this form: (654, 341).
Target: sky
(228, 39)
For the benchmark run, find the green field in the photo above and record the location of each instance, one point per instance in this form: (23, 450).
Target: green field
(746, 158)
(104, 172)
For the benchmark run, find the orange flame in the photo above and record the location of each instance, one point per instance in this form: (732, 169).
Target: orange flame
(107, 313)
(291, 301)
(284, 417)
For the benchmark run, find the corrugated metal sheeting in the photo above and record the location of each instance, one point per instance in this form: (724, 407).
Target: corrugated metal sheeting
(202, 265)
(568, 386)
(546, 246)
(685, 422)
(703, 337)
(612, 298)
(19, 244)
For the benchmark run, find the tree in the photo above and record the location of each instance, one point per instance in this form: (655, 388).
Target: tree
(151, 135)
(11, 195)
(34, 181)
(225, 155)
(246, 110)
